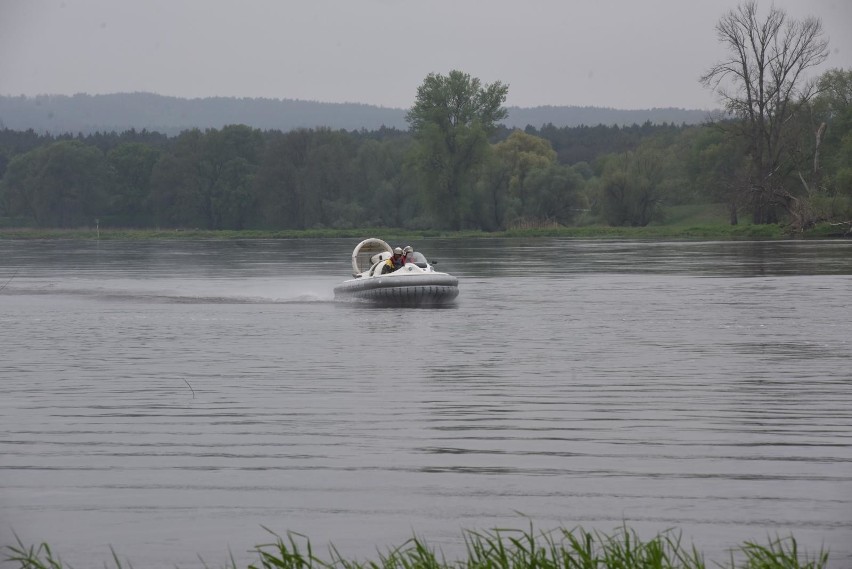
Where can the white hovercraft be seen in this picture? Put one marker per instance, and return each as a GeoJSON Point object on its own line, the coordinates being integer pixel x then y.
{"type": "Point", "coordinates": [375, 281]}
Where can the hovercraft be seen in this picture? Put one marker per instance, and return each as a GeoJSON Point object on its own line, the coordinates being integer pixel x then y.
{"type": "Point", "coordinates": [378, 281]}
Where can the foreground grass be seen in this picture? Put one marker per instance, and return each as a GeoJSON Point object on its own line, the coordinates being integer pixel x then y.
{"type": "Point", "coordinates": [504, 549]}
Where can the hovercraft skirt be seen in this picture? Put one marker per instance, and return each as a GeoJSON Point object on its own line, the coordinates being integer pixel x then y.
{"type": "Point", "coordinates": [421, 290]}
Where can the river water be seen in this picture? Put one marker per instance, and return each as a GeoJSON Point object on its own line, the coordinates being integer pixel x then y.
{"type": "Point", "coordinates": [171, 399]}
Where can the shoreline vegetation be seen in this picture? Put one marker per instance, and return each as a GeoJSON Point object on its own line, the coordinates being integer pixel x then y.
{"type": "Point", "coordinates": [560, 548]}
{"type": "Point", "coordinates": [697, 232]}
{"type": "Point", "coordinates": [682, 223]}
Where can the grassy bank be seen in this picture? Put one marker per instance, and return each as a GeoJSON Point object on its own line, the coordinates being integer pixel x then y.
{"type": "Point", "coordinates": [685, 232]}
{"type": "Point", "coordinates": [686, 222]}
{"type": "Point", "coordinates": [504, 549]}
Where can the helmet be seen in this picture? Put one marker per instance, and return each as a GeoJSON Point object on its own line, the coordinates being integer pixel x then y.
{"type": "Point", "coordinates": [408, 249]}
{"type": "Point", "coordinates": [397, 251]}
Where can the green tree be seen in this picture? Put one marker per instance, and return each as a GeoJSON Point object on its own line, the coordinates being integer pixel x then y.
{"type": "Point", "coordinates": [451, 119]}
{"type": "Point", "coordinates": [493, 202]}
{"type": "Point", "coordinates": [763, 86]}
{"type": "Point", "coordinates": [554, 194]}
{"type": "Point", "coordinates": [832, 147]}
{"type": "Point", "coordinates": [207, 180]}
{"type": "Point", "coordinates": [228, 159]}
{"type": "Point", "coordinates": [231, 197]}
{"type": "Point", "coordinates": [277, 184]}
{"type": "Point", "coordinates": [521, 154]}
{"type": "Point", "coordinates": [178, 195]}
{"type": "Point", "coordinates": [62, 184]}
{"type": "Point", "coordinates": [306, 178]}
{"type": "Point", "coordinates": [382, 184]}
{"type": "Point", "coordinates": [132, 164]}
{"type": "Point", "coordinates": [631, 187]}
{"type": "Point", "coordinates": [176, 198]}
{"type": "Point", "coordinates": [717, 168]}
{"type": "Point", "coordinates": [325, 181]}
{"type": "Point", "coordinates": [832, 120]}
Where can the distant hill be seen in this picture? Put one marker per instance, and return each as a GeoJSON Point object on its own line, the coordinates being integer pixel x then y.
{"type": "Point", "coordinates": [86, 114]}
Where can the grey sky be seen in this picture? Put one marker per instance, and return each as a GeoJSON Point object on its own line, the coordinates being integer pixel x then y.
{"type": "Point", "coordinates": [613, 53]}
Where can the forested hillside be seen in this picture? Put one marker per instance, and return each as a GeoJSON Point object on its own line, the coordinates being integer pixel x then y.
{"type": "Point", "coordinates": [87, 114]}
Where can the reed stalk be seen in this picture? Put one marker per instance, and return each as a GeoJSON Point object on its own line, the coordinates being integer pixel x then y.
{"type": "Point", "coordinates": [501, 549]}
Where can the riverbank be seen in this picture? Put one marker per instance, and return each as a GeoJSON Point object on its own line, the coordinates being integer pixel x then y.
{"type": "Point", "coordinates": [711, 232]}
{"type": "Point", "coordinates": [502, 549]}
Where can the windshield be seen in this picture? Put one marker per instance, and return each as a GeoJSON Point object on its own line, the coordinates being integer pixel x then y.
{"type": "Point", "coordinates": [417, 258]}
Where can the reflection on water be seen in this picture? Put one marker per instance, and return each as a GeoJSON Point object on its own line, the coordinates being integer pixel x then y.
{"type": "Point", "coordinates": [170, 399]}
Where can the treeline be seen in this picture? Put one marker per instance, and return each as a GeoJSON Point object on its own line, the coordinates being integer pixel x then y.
{"type": "Point", "coordinates": [434, 175]}
{"type": "Point", "coordinates": [244, 178]}
{"type": "Point", "coordinates": [239, 178]}
{"type": "Point", "coordinates": [88, 114]}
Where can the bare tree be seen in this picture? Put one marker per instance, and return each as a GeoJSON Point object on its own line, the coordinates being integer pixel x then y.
{"type": "Point", "coordinates": [763, 86]}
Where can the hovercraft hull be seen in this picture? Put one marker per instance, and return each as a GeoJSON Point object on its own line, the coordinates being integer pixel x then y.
{"type": "Point", "coordinates": [404, 290]}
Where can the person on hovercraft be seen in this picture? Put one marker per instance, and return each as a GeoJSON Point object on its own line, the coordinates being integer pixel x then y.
{"type": "Point", "coordinates": [396, 261]}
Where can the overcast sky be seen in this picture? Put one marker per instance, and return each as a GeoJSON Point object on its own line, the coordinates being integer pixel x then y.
{"type": "Point", "coordinates": [626, 54]}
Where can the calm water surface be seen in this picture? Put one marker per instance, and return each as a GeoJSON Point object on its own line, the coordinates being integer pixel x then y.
{"type": "Point", "coordinates": [170, 398]}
